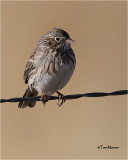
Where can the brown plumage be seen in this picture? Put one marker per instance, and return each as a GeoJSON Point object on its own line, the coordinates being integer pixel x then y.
{"type": "Point", "coordinates": [50, 66]}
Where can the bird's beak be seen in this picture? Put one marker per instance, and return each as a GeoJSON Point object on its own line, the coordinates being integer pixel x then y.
{"type": "Point", "coordinates": [69, 41]}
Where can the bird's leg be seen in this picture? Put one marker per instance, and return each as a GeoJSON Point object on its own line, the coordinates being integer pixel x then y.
{"type": "Point", "coordinates": [44, 98]}
{"type": "Point", "coordinates": [60, 97]}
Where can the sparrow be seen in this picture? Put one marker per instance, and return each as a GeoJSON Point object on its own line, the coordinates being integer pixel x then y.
{"type": "Point", "coordinates": [50, 67]}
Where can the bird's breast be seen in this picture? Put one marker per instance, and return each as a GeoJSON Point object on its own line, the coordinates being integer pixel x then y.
{"type": "Point", "coordinates": [53, 71]}
{"type": "Point", "coordinates": [50, 83]}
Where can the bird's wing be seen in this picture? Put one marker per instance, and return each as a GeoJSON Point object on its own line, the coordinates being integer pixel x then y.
{"type": "Point", "coordinates": [40, 58]}
{"type": "Point", "coordinates": [29, 67]}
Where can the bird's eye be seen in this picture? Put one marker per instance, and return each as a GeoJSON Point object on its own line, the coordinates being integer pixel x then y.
{"type": "Point", "coordinates": [57, 39]}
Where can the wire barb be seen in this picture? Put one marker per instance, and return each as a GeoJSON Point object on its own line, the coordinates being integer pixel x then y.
{"type": "Point", "coordinates": [68, 97]}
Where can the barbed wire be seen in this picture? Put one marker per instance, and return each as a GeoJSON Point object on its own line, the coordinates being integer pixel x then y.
{"type": "Point", "coordinates": [68, 97]}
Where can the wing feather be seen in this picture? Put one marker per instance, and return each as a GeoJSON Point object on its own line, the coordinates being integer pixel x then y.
{"type": "Point", "coordinates": [29, 67]}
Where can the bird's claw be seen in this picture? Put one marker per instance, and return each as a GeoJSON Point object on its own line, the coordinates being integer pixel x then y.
{"type": "Point", "coordinates": [60, 97]}
{"type": "Point", "coordinates": [44, 98]}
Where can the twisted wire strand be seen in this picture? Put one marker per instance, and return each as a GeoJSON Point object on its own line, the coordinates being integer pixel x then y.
{"type": "Point", "coordinates": [68, 97]}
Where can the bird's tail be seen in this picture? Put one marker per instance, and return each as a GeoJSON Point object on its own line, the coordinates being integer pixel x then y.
{"type": "Point", "coordinates": [28, 93]}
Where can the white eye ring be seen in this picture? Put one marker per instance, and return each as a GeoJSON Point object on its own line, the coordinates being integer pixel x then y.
{"type": "Point", "coordinates": [57, 39]}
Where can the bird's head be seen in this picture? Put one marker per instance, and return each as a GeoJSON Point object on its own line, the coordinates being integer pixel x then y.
{"type": "Point", "coordinates": [57, 38]}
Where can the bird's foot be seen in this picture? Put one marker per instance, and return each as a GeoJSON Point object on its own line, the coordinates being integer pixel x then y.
{"type": "Point", "coordinates": [61, 99]}
{"type": "Point", "coordinates": [44, 98]}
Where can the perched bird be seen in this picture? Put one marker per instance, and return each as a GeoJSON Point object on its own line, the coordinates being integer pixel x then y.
{"type": "Point", "coordinates": [50, 67]}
